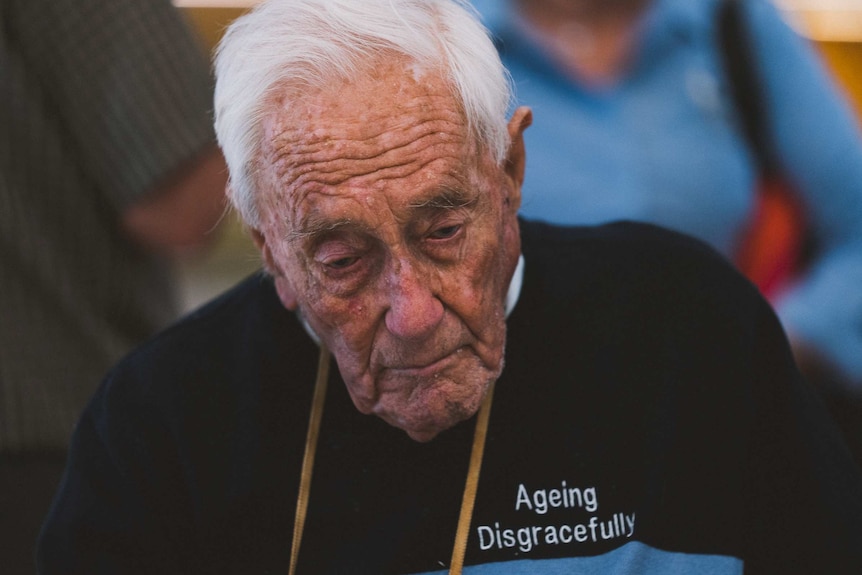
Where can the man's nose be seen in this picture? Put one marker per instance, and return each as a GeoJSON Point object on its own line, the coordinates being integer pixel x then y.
{"type": "Point", "coordinates": [414, 311]}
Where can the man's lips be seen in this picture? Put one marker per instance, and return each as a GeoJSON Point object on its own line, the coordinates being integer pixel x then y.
{"type": "Point", "coordinates": [425, 368]}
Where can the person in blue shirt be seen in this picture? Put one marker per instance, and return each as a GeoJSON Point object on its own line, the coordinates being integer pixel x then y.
{"type": "Point", "coordinates": [633, 120]}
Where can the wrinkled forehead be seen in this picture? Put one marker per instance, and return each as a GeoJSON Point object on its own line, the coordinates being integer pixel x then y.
{"type": "Point", "coordinates": [380, 105]}
{"type": "Point", "coordinates": [387, 123]}
{"type": "Point", "coordinates": [390, 94]}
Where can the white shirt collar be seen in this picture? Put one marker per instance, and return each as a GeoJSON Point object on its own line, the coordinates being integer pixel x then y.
{"type": "Point", "coordinates": [515, 286]}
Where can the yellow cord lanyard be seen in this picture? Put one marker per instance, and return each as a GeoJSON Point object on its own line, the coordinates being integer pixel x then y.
{"type": "Point", "coordinates": [470, 488]}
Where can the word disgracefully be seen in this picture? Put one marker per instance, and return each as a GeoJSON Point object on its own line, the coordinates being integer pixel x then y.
{"type": "Point", "coordinates": [540, 501]}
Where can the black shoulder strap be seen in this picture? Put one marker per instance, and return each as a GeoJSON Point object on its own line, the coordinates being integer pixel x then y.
{"type": "Point", "coordinates": [737, 54]}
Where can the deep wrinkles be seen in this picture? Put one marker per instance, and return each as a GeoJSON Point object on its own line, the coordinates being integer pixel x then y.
{"type": "Point", "coordinates": [315, 139]}
{"type": "Point", "coordinates": [297, 171]}
{"type": "Point", "coordinates": [326, 174]}
{"type": "Point", "coordinates": [296, 158]}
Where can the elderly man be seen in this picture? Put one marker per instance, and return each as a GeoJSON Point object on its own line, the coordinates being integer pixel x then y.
{"type": "Point", "coordinates": [649, 418]}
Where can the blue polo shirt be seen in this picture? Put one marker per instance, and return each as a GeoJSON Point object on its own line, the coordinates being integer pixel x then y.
{"type": "Point", "coordinates": [663, 144]}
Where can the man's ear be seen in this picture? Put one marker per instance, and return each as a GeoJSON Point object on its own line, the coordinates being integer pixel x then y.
{"type": "Point", "coordinates": [516, 157]}
{"type": "Point", "coordinates": [285, 290]}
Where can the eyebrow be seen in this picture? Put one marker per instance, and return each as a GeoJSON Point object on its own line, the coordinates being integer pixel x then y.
{"type": "Point", "coordinates": [448, 199]}
{"type": "Point", "coordinates": [314, 228]}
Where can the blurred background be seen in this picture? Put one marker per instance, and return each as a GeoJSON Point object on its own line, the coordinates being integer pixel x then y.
{"type": "Point", "coordinates": [834, 27]}
{"type": "Point", "coordinates": [43, 385]}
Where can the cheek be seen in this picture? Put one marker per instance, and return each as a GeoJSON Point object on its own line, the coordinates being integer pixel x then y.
{"type": "Point", "coordinates": [363, 398]}
{"type": "Point", "coordinates": [479, 298]}
{"type": "Point", "coordinates": [346, 325]}
{"type": "Point", "coordinates": [478, 284]}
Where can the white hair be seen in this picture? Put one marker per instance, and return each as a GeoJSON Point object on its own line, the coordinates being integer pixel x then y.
{"type": "Point", "coordinates": [305, 44]}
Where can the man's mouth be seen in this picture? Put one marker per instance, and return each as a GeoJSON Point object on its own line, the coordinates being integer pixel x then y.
{"type": "Point", "coordinates": [427, 368]}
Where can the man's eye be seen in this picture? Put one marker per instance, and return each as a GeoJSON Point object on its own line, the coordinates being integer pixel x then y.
{"type": "Point", "coordinates": [341, 263]}
{"type": "Point", "coordinates": [445, 232]}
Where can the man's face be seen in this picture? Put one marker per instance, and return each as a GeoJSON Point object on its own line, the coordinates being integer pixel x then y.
{"type": "Point", "coordinates": [396, 238]}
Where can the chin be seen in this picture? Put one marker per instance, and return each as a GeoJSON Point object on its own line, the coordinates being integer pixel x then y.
{"type": "Point", "coordinates": [422, 436]}
{"type": "Point", "coordinates": [426, 433]}
{"type": "Point", "coordinates": [422, 429]}
{"type": "Point", "coordinates": [436, 410]}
